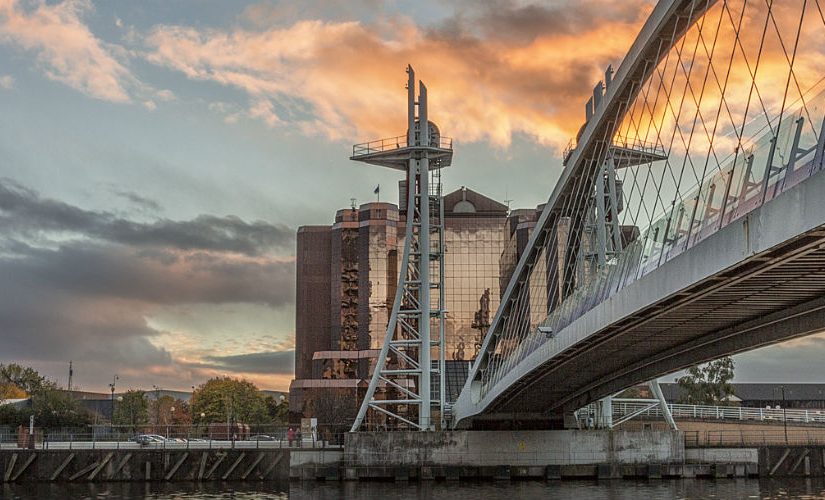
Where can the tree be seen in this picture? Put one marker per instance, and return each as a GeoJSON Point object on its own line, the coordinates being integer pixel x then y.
{"type": "Point", "coordinates": [278, 411]}
{"type": "Point", "coordinates": [11, 391]}
{"type": "Point", "coordinates": [50, 406]}
{"type": "Point", "coordinates": [167, 410]}
{"type": "Point", "coordinates": [334, 407]}
{"type": "Point", "coordinates": [132, 409]}
{"type": "Point", "coordinates": [708, 384]}
{"type": "Point", "coordinates": [25, 378]}
{"type": "Point", "coordinates": [57, 408]}
{"type": "Point", "coordinates": [223, 399]}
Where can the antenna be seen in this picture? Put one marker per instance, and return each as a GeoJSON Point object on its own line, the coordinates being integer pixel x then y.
{"type": "Point", "coordinates": [71, 372]}
{"type": "Point", "coordinates": [352, 203]}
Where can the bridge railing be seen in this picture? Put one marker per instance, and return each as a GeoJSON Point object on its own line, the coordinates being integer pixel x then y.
{"type": "Point", "coordinates": [704, 412]}
{"type": "Point", "coordinates": [398, 142]}
{"type": "Point", "coordinates": [175, 437]}
{"type": "Point", "coordinates": [743, 184]}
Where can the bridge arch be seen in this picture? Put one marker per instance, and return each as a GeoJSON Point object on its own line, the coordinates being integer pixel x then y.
{"type": "Point", "coordinates": [626, 238]}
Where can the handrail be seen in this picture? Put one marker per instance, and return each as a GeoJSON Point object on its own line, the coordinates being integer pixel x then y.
{"type": "Point", "coordinates": [702, 412]}
{"type": "Point", "coordinates": [637, 144]}
{"type": "Point", "coordinates": [397, 142]}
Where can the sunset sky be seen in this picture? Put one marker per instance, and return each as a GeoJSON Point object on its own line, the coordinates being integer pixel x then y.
{"type": "Point", "coordinates": [156, 158]}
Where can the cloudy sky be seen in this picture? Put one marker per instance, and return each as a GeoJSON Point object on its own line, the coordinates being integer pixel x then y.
{"type": "Point", "coordinates": [156, 158]}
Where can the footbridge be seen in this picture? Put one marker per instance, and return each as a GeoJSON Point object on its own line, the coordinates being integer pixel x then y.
{"type": "Point", "coordinates": [688, 223]}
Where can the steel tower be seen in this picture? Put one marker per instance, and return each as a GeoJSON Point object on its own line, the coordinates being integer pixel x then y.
{"type": "Point", "coordinates": [405, 368]}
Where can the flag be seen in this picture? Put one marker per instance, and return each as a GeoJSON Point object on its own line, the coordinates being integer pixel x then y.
{"type": "Point", "coordinates": [377, 189]}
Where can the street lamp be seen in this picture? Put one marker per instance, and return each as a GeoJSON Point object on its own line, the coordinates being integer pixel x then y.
{"type": "Point", "coordinates": [112, 387]}
{"type": "Point", "coordinates": [784, 413]}
{"type": "Point", "coordinates": [157, 405]}
{"type": "Point", "coordinates": [171, 418]}
{"type": "Point", "coordinates": [119, 401]}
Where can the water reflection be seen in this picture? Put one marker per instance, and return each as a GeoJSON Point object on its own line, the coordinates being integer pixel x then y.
{"type": "Point", "coordinates": [613, 490]}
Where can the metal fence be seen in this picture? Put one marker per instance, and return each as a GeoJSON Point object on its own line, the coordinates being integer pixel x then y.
{"type": "Point", "coordinates": [172, 437]}
{"type": "Point", "coordinates": [398, 142]}
{"type": "Point", "coordinates": [702, 412]}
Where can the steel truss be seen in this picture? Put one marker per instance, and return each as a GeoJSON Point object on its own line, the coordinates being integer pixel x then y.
{"type": "Point", "coordinates": [400, 387]}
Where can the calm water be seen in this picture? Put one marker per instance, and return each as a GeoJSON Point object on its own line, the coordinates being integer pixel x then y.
{"type": "Point", "coordinates": [613, 490]}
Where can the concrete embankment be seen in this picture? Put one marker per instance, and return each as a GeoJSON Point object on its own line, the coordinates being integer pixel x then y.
{"type": "Point", "coordinates": [144, 465]}
{"type": "Point", "coordinates": [404, 456]}
{"type": "Point", "coordinates": [460, 455]}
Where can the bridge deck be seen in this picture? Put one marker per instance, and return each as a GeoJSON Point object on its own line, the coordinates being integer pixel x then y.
{"type": "Point", "coordinates": [758, 281]}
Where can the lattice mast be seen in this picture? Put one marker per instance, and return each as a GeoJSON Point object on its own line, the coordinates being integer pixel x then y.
{"type": "Point", "coordinates": [404, 370]}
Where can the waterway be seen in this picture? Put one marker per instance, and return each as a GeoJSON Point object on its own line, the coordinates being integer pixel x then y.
{"type": "Point", "coordinates": [612, 490]}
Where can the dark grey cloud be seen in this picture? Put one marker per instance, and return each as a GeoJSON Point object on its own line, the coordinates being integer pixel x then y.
{"type": "Point", "coordinates": [517, 21]}
{"type": "Point", "coordinates": [48, 325]}
{"type": "Point", "coordinates": [26, 213]}
{"type": "Point", "coordinates": [78, 284]}
{"type": "Point", "coordinates": [273, 362]}
{"type": "Point", "coordinates": [107, 271]}
{"type": "Point", "coordinates": [141, 202]}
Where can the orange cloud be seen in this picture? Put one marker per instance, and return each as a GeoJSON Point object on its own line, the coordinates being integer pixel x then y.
{"type": "Point", "coordinates": [711, 99]}
{"type": "Point", "coordinates": [65, 47]}
{"type": "Point", "coordinates": [523, 73]}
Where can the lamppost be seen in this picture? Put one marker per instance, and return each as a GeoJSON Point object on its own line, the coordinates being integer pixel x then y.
{"type": "Point", "coordinates": [784, 413]}
{"type": "Point", "coordinates": [157, 404]}
{"type": "Point", "coordinates": [171, 418]}
{"type": "Point", "coordinates": [119, 402]}
{"type": "Point", "coordinates": [112, 387]}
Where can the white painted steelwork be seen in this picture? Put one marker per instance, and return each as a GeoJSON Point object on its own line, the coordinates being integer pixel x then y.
{"type": "Point", "coordinates": [400, 387]}
{"type": "Point", "coordinates": [693, 271]}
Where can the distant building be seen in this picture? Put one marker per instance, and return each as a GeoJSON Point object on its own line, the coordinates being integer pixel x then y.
{"type": "Point", "coordinates": [347, 274]}
{"type": "Point", "coordinates": [519, 227]}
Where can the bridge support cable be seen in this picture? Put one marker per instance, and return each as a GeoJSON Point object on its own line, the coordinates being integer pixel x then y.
{"type": "Point", "coordinates": [400, 393]}
{"type": "Point", "coordinates": [680, 109]}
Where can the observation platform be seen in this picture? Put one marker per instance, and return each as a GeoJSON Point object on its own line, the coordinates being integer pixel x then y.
{"type": "Point", "coordinates": [626, 153]}
{"type": "Point", "coordinates": [395, 152]}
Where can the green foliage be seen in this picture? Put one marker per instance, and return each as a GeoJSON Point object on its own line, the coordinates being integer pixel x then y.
{"type": "Point", "coordinates": [13, 416]}
{"type": "Point", "coordinates": [132, 409]}
{"type": "Point", "coordinates": [26, 379]}
{"type": "Point", "coordinates": [224, 398]}
{"type": "Point", "coordinates": [56, 408]}
{"type": "Point", "coordinates": [50, 406]}
{"type": "Point", "coordinates": [708, 384]}
{"type": "Point", "coordinates": [278, 412]}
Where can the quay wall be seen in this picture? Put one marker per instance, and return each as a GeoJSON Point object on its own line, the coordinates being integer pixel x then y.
{"type": "Point", "coordinates": [515, 448]}
{"type": "Point", "coordinates": [144, 465]}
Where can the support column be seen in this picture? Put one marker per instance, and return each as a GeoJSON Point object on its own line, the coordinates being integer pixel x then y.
{"type": "Point", "coordinates": [424, 262]}
{"type": "Point", "coordinates": [658, 394]}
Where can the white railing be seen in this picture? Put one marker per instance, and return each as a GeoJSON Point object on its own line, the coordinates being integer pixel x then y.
{"type": "Point", "coordinates": [702, 412]}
